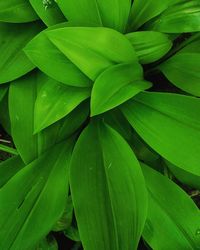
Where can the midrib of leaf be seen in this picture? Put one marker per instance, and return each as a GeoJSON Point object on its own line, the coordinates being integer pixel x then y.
{"type": "Point", "coordinates": [109, 191]}
{"type": "Point", "coordinates": [38, 196]}
{"type": "Point", "coordinates": [173, 219]}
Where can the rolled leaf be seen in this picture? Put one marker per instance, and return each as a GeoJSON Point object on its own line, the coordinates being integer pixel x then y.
{"type": "Point", "coordinates": [150, 46]}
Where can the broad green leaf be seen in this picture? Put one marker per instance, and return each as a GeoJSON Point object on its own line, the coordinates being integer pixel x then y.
{"type": "Point", "coordinates": [22, 95]}
{"type": "Point", "coordinates": [108, 190]}
{"type": "Point", "coordinates": [9, 168]}
{"type": "Point", "coordinates": [173, 220]}
{"type": "Point", "coordinates": [179, 18]}
{"type": "Point", "coordinates": [116, 85]}
{"type": "Point", "coordinates": [56, 100]}
{"type": "Point", "coordinates": [144, 10]}
{"type": "Point", "coordinates": [182, 69]}
{"type": "Point", "coordinates": [92, 49]}
{"type": "Point", "coordinates": [170, 124]}
{"type": "Point", "coordinates": [184, 176]}
{"type": "Point", "coordinates": [49, 59]}
{"type": "Point", "coordinates": [108, 13]}
{"type": "Point", "coordinates": [30, 197]}
{"type": "Point", "coordinates": [49, 16]}
{"type": "Point", "coordinates": [13, 61]}
{"type": "Point", "coordinates": [150, 46]}
{"type": "Point", "coordinates": [17, 11]}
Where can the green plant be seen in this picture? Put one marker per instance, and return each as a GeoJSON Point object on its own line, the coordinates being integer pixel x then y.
{"type": "Point", "coordinates": [104, 114]}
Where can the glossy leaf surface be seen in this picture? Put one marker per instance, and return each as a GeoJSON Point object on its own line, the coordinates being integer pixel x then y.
{"type": "Point", "coordinates": [173, 218]}
{"type": "Point", "coordinates": [150, 46]}
{"type": "Point", "coordinates": [110, 176]}
{"type": "Point", "coordinates": [179, 18]}
{"type": "Point", "coordinates": [116, 85]}
{"type": "Point", "coordinates": [92, 49]}
{"type": "Point", "coordinates": [108, 13]}
{"type": "Point", "coordinates": [13, 61]}
{"type": "Point", "coordinates": [169, 123]}
{"type": "Point", "coordinates": [27, 194]}
{"type": "Point", "coordinates": [56, 100]}
{"type": "Point", "coordinates": [49, 59]}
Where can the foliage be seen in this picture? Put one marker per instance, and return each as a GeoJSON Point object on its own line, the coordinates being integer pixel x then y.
{"type": "Point", "coordinates": [101, 101]}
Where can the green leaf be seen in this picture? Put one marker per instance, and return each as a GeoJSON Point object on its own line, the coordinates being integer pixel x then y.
{"type": "Point", "coordinates": [27, 195]}
{"type": "Point", "coordinates": [4, 114]}
{"type": "Point", "coordinates": [108, 13]}
{"type": "Point", "coordinates": [22, 95]}
{"type": "Point", "coordinates": [116, 85]}
{"type": "Point", "coordinates": [144, 10]}
{"type": "Point", "coordinates": [170, 124]}
{"type": "Point", "coordinates": [108, 190]}
{"type": "Point", "coordinates": [13, 61]}
{"type": "Point", "coordinates": [184, 176]}
{"type": "Point", "coordinates": [150, 46]}
{"type": "Point", "coordinates": [182, 69]}
{"type": "Point", "coordinates": [9, 168]}
{"type": "Point", "coordinates": [56, 100]}
{"type": "Point", "coordinates": [179, 18]}
{"type": "Point", "coordinates": [17, 11]}
{"type": "Point", "coordinates": [173, 220]}
{"type": "Point", "coordinates": [49, 16]}
{"type": "Point", "coordinates": [92, 49]}
{"type": "Point", "coordinates": [52, 62]}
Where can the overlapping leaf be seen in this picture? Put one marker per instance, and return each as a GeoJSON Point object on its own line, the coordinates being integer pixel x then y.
{"type": "Point", "coordinates": [116, 85]}
{"type": "Point", "coordinates": [92, 49]}
{"type": "Point", "coordinates": [170, 124]}
{"type": "Point", "coordinates": [56, 100]}
{"type": "Point", "coordinates": [182, 69]}
{"type": "Point", "coordinates": [30, 197]}
{"type": "Point", "coordinates": [173, 220]}
{"type": "Point", "coordinates": [109, 195]}
{"type": "Point", "coordinates": [181, 17]}
{"type": "Point", "coordinates": [49, 59]}
{"type": "Point", "coordinates": [150, 46]}
{"type": "Point", "coordinates": [49, 16]}
{"type": "Point", "coordinates": [108, 13]}
{"type": "Point", "coordinates": [13, 61]}
{"type": "Point", "coordinates": [144, 10]}
{"type": "Point", "coordinates": [17, 11]}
